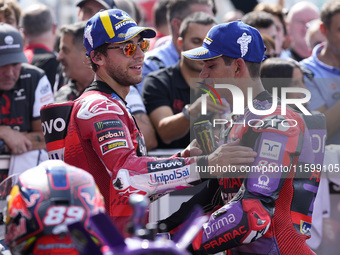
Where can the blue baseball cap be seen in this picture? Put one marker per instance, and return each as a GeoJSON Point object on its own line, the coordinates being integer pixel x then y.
{"type": "Point", "coordinates": [112, 26]}
{"type": "Point", "coordinates": [234, 39]}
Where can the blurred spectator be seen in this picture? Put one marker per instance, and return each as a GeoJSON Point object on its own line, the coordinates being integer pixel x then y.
{"type": "Point", "coordinates": [40, 31]}
{"type": "Point", "coordinates": [297, 18]}
{"type": "Point", "coordinates": [74, 62]}
{"type": "Point", "coordinates": [325, 64]}
{"type": "Point", "coordinates": [166, 92]}
{"type": "Point", "coordinates": [24, 89]}
{"type": "Point", "coordinates": [160, 22]}
{"type": "Point", "coordinates": [314, 36]}
{"type": "Point", "coordinates": [281, 73]}
{"type": "Point", "coordinates": [10, 12]}
{"type": "Point", "coordinates": [280, 23]}
{"type": "Point", "coordinates": [233, 15]}
{"type": "Point", "coordinates": [244, 5]}
{"type": "Point", "coordinates": [127, 6]}
{"type": "Point", "coordinates": [88, 8]}
{"type": "Point", "coordinates": [270, 46]}
{"type": "Point", "coordinates": [168, 53]}
{"type": "Point", "coordinates": [264, 23]}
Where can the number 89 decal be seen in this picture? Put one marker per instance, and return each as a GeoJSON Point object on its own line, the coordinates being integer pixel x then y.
{"type": "Point", "coordinates": [61, 214]}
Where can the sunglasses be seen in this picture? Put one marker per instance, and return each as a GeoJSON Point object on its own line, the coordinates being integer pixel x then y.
{"type": "Point", "coordinates": [129, 49]}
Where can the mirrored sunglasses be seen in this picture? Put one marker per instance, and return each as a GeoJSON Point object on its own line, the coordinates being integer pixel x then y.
{"type": "Point", "coordinates": [129, 48]}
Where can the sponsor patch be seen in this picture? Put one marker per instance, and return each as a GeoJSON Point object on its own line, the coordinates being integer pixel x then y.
{"type": "Point", "coordinates": [270, 149]}
{"type": "Point", "coordinates": [165, 164]}
{"type": "Point", "coordinates": [95, 105]}
{"type": "Point", "coordinates": [305, 227]}
{"type": "Point", "coordinates": [166, 177]}
{"type": "Point", "coordinates": [105, 124]}
{"type": "Point", "coordinates": [45, 89]}
{"type": "Point", "coordinates": [262, 182]}
{"type": "Point", "coordinates": [113, 145]}
{"type": "Point", "coordinates": [215, 226]}
{"type": "Point", "coordinates": [110, 134]}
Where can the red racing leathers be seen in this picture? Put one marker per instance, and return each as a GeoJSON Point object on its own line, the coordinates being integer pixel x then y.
{"type": "Point", "coordinates": [97, 133]}
{"type": "Point", "coordinates": [271, 213]}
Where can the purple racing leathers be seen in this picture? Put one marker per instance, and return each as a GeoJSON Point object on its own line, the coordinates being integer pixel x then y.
{"type": "Point", "coordinates": [271, 212]}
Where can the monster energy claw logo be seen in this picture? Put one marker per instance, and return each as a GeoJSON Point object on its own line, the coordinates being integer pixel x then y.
{"type": "Point", "coordinates": [100, 125]}
{"type": "Point", "coordinates": [105, 124]}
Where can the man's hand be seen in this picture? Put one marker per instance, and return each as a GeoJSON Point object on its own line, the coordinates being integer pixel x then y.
{"type": "Point", "coordinates": [17, 142]}
{"type": "Point", "coordinates": [231, 154]}
{"type": "Point", "coordinates": [191, 150]}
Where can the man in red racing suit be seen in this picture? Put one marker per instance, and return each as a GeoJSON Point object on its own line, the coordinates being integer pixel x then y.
{"type": "Point", "coordinates": [271, 212]}
{"type": "Point", "coordinates": [97, 133]}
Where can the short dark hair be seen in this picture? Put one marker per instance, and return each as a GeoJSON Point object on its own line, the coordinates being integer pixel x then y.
{"type": "Point", "coordinates": [76, 30]}
{"type": "Point", "coordinates": [277, 72]}
{"type": "Point", "coordinates": [181, 8]}
{"type": "Point", "coordinates": [7, 5]}
{"type": "Point", "coordinates": [253, 67]}
{"type": "Point", "coordinates": [329, 9]}
{"type": "Point", "coordinates": [37, 19]}
{"type": "Point", "coordinates": [259, 19]}
{"type": "Point", "coordinates": [159, 13]}
{"type": "Point", "coordinates": [201, 18]}
{"type": "Point", "coordinates": [274, 9]}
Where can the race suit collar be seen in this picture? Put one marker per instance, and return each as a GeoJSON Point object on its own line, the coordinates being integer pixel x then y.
{"type": "Point", "coordinates": [103, 87]}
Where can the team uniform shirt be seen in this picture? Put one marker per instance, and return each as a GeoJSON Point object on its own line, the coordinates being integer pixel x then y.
{"type": "Point", "coordinates": [272, 209]}
{"type": "Point", "coordinates": [103, 138]}
{"type": "Point", "coordinates": [325, 87]}
{"type": "Point", "coordinates": [160, 57]}
{"type": "Point", "coordinates": [21, 105]}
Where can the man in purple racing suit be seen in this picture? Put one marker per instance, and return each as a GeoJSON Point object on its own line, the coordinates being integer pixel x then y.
{"type": "Point", "coordinates": [271, 212]}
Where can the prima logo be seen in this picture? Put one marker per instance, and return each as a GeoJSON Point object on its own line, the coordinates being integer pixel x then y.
{"type": "Point", "coordinates": [218, 224]}
{"type": "Point", "coordinates": [238, 100]}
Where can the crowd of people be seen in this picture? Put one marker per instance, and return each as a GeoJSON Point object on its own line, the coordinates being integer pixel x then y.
{"type": "Point", "coordinates": [103, 91]}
